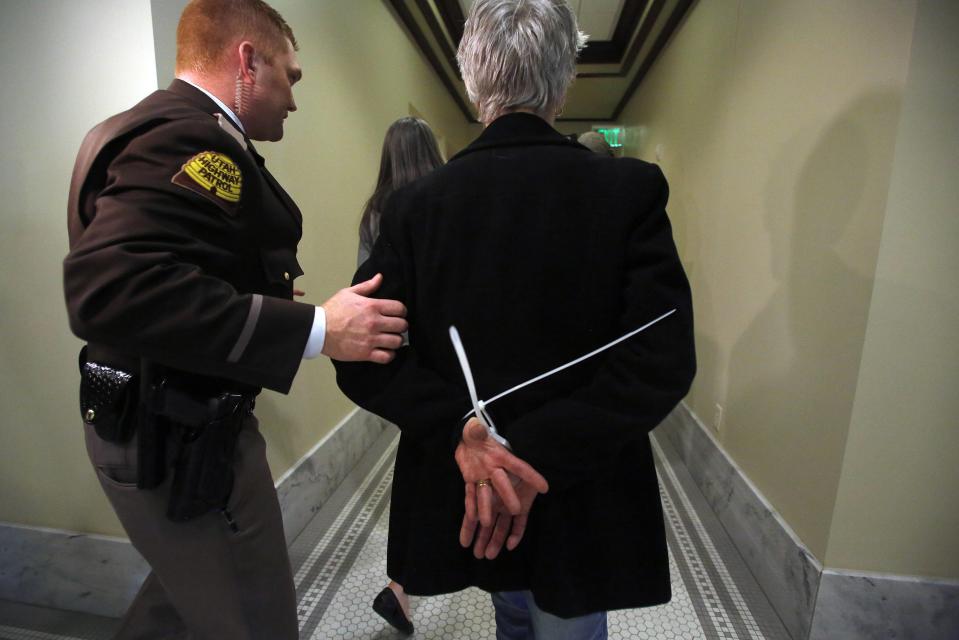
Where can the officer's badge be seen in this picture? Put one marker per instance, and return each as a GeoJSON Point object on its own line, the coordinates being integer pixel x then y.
{"type": "Point", "coordinates": [214, 176]}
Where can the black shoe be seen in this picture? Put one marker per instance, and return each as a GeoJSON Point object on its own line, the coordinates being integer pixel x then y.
{"type": "Point", "coordinates": [386, 604]}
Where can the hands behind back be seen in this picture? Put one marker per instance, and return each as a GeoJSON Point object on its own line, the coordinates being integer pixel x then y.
{"type": "Point", "coordinates": [501, 508]}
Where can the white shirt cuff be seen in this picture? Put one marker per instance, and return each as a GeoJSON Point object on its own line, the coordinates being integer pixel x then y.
{"type": "Point", "coordinates": [314, 344]}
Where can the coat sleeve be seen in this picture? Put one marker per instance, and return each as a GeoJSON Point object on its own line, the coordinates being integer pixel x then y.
{"type": "Point", "coordinates": [570, 439]}
{"type": "Point", "coordinates": [151, 274]}
{"type": "Point", "coordinates": [416, 398]}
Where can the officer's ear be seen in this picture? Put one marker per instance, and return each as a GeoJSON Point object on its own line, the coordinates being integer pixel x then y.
{"type": "Point", "coordinates": [248, 61]}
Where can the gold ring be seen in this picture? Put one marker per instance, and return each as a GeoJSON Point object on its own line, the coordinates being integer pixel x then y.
{"type": "Point", "coordinates": [482, 483]}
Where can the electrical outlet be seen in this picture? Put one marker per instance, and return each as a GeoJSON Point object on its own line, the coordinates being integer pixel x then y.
{"type": "Point", "coordinates": [718, 419]}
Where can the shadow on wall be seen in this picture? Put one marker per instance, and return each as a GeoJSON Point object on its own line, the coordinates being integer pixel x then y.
{"type": "Point", "coordinates": [793, 372]}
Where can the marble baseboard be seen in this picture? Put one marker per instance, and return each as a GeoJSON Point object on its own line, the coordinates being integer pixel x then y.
{"type": "Point", "coordinates": [306, 487]}
{"type": "Point", "coordinates": [68, 570]}
{"type": "Point", "coordinates": [785, 569]}
{"type": "Point", "coordinates": [866, 606]}
{"type": "Point", "coordinates": [101, 574]}
{"type": "Point", "coordinates": [814, 603]}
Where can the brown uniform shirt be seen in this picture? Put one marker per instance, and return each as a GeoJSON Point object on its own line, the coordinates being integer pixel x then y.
{"type": "Point", "coordinates": [183, 246]}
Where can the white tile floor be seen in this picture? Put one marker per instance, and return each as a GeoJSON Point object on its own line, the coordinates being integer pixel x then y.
{"type": "Point", "coordinates": [708, 601]}
{"type": "Point", "coordinates": [339, 562]}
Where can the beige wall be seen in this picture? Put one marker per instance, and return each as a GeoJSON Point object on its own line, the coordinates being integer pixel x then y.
{"type": "Point", "coordinates": [70, 65]}
{"type": "Point", "coordinates": [61, 61]}
{"type": "Point", "coordinates": [898, 503]}
{"type": "Point", "coordinates": [775, 123]}
{"type": "Point", "coordinates": [166, 15]}
{"type": "Point", "coordinates": [361, 72]}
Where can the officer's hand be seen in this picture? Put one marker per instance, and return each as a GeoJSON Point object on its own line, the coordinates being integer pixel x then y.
{"type": "Point", "coordinates": [362, 328]}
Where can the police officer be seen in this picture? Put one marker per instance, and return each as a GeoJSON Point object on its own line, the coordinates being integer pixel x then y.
{"type": "Point", "coordinates": [180, 278]}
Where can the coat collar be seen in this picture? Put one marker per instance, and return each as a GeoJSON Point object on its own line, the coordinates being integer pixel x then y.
{"type": "Point", "coordinates": [518, 129]}
{"type": "Point", "coordinates": [200, 100]}
{"type": "Point", "coordinates": [203, 102]}
{"type": "Point", "coordinates": [194, 95]}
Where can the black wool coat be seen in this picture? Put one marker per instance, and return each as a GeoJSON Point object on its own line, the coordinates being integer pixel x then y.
{"type": "Point", "coordinates": [538, 251]}
{"type": "Point", "coordinates": [183, 247]}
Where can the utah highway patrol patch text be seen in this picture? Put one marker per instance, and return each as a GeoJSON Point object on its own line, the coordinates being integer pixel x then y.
{"type": "Point", "coordinates": [214, 176]}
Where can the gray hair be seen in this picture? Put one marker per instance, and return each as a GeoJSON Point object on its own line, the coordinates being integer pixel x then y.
{"type": "Point", "coordinates": [519, 54]}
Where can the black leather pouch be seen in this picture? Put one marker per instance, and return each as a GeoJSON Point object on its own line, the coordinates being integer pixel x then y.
{"type": "Point", "coordinates": [108, 400]}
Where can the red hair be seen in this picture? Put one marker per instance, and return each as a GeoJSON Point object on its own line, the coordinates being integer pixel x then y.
{"type": "Point", "coordinates": [209, 28]}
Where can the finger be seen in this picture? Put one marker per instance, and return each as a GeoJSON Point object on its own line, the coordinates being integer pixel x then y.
{"type": "Point", "coordinates": [526, 473]}
{"type": "Point", "coordinates": [519, 528]}
{"type": "Point", "coordinates": [381, 356]}
{"type": "Point", "coordinates": [299, 293]}
{"type": "Point", "coordinates": [505, 491]}
{"type": "Point", "coordinates": [467, 530]}
{"type": "Point", "coordinates": [367, 287]}
{"type": "Point", "coordinates": [499, 536]}
{"type": "Point", "coordinates": [471, 508]}
{"type": "Point", "coordinates": [484, 504]}
{"type": "Point", "coordinates": [474, 432]}
{"type": "Point", "coordinates": [482, 540]}
{"type": "Point", "coordinates": [390, 341]}
{"type": "Point", "coordinates": [389, 308]}
{"type": "Point", "coordinates": [391, 325]}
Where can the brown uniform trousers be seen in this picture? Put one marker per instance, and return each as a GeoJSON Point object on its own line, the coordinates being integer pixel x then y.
{"type": "Point", "coordinates": [208, 582]}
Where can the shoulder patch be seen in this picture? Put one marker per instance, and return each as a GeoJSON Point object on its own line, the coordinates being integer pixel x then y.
{"type": "Point", "coordinates": [214, 176]}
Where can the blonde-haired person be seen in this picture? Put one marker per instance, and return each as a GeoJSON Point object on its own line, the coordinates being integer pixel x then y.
{"type": "Point", "coordinates": [538, 251]}
{"type": "Point", "coordinates": [181, 272]}
{"type": "Point", "coordinates": [409, 152]}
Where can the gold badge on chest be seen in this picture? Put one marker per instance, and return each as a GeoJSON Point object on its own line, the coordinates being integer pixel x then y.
{"type": "Point", "coordinates": [216, 177]}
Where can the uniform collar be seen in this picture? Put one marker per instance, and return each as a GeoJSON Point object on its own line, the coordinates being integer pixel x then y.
{"type": "Point", "coordinates": [227, 111]}
{"type": "Point", "coordinates": [209, 103]}
{"type": "Point", "coordinates": [204, 100]}
{"type": "Point", "coordinates": [518, 129]}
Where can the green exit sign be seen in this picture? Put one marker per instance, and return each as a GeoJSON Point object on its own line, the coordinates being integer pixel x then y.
{"type": "Point", "coordinates": [614, 135]}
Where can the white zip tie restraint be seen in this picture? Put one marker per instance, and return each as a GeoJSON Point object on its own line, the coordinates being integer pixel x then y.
{"type": "Point", "coordinates": [479, 406]}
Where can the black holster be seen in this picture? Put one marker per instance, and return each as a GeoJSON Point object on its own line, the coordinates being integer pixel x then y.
{"type": "Point", "coordinates": [205, 429]}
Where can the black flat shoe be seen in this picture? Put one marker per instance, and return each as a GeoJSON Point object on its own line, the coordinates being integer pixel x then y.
{"type": "Point", "coordinates": [388, 607]}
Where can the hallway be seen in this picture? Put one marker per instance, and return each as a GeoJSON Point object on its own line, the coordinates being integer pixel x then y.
{"type": "Point", "coordinates": [339, 561]}
{"type": "Point", "coordinates": [810, 149]}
